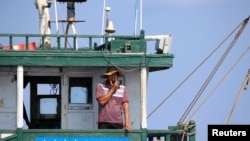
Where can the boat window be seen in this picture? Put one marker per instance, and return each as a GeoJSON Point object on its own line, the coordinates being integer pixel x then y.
{"type": "Point", "coordinates": [48, 95]}
{"type": "Point", "coordinates": [78, 94]}
{"type": "Point", "coordinates": [47, 89]}
{"type": "Point", "coordinates": [44, 103]}
{"type": "Point", "coordinates": [48, 106]}
{"type": "Point", "coordinates": [80, 90]}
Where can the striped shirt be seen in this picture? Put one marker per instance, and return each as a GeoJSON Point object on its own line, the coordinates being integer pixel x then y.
{"type": "Point", "coordinates": [112, 111]}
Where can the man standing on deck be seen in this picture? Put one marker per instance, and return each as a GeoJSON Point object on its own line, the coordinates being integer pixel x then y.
{"type": "Point", "coordinates": [113, 102]}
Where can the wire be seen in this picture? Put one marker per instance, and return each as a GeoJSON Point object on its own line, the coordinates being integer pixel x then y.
{"type": "Point", "coordinates": [244, 23]}
{"type": "Point", "coordinates": [218, 84]}
{"type": "Point", "coordinates": [193, 72]}
{"type": "Point", "coordinates": [54, 89]}
{"type": "Point", "coordinates": [238, 96]}
{"type": "Point", "coordinates": [110, 62]}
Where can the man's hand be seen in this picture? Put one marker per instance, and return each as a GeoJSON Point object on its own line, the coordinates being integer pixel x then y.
{"type": "Point", "coordinates": [114, 84]}
{"type": "Point", "coordinates": [127, 126]}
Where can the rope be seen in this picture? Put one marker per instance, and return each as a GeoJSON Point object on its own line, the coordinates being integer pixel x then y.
{"type": "Point", "coordinates": [214, 71]}
{"type": "Point", "coordinates": [193, 72]}
{"type": "Point", "coordinates": [217, 85]}
{"type": "Point", "coordinates": [108, 59]}
{"type": "Point", "coordinates": [238, 96]}
{"type": "Point", "coordinates": [185, 131]}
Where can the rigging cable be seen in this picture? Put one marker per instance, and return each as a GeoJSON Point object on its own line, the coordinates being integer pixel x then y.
{"type": "Point", "coordinates": [193, 71]}
{"type": "Point", "coordinates": [226, 74]}
{"type": "Point", "coordinates": [245, 82]}
{"type": "Point", "coordinates": [244, 23]}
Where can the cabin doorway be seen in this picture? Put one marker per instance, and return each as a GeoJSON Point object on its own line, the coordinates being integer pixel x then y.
{"type": "Point", "coordinates": [45, 101]}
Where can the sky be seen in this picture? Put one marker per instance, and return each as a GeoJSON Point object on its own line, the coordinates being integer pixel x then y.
{"type": "Point", "coordinates": [197, 26]}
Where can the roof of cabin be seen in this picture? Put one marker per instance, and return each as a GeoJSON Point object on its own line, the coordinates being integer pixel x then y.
{"type": "Point", "coordinates": [120, 51]}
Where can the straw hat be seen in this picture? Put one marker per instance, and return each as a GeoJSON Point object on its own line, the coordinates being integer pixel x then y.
{"type": "Point", "coordinates": [110, 71]}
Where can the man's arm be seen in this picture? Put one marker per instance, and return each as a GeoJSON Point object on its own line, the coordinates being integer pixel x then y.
{"type": "Point", "coordinates": [126, 116]}
{"type": "Point", "coordinates": [104, 99]}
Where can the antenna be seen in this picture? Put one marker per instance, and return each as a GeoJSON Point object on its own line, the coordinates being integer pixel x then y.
{"type": "Point", "coordinates": [103, 15]}
{"type": "Point", "coordinates": [70, 19]}
{"type": "Point", "coordinates": [136, 15]}
{"type": "Point", "coordinates": [140, 14]}
{"type": "Point", "coordinates": [57, 27]}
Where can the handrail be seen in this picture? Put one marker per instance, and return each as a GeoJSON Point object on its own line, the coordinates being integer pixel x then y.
{"type": "Point", "coordinates": [58, 37]}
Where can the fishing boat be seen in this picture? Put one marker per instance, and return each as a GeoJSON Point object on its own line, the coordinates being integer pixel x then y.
{"type": "Point", "coordinates": [48, 88]}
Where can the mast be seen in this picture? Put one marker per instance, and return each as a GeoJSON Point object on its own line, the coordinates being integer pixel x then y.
{"type": "Point", "coordinates": [71, 19]}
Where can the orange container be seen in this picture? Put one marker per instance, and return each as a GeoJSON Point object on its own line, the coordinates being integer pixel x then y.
{"type": "Point", "coordinates": [15, 47]}
{"type": "Point", "coordinates": [31, 46]}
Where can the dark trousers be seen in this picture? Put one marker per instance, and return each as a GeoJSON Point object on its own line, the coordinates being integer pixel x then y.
{"type": "Point", "coordinates": [109, 126]}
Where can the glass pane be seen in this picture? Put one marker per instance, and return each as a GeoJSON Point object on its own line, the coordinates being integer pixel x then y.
{"type": "Point", "coordinates": [78, 95]}
{"type": "Point", "coordinates": [47, 89]}
{"type": "Point", "coordinates": [48, 106]}
{"type": "Point", "coordinates": [80, 90]}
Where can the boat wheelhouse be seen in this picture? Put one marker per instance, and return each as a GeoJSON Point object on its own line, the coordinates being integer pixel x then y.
{"type": "Point", "coordinates": [48, 94]}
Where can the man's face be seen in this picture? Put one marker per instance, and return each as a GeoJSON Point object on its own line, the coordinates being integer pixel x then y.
{"type": "Point", "coordinates": [113, 77]}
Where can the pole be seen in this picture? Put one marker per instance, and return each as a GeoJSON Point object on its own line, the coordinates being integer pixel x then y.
{"type": "Point", "coordinates": [19, 96]}
{"type": "Point", "coordinates": [143, 97]}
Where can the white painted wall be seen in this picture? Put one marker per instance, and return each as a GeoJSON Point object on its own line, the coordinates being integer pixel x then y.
{"type": "Point", "coordinates": [132, 82]}
{"type": "Point", "coordinates": [71, 119]}
{"type": "Point", "coordinates": [8, 101]}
